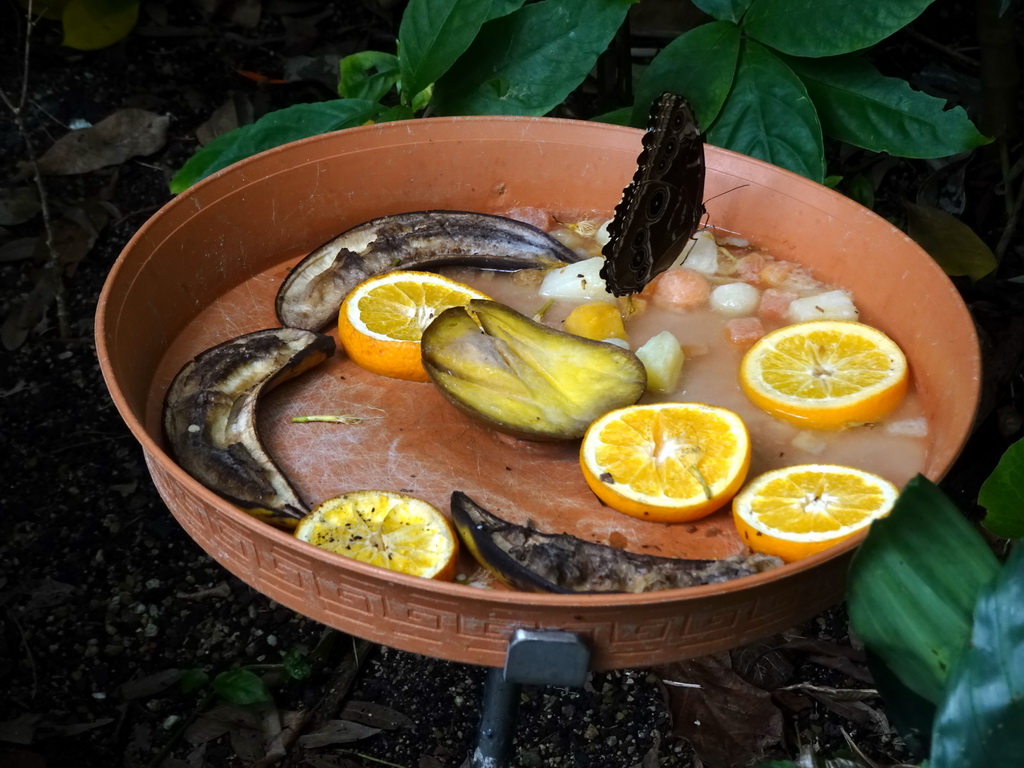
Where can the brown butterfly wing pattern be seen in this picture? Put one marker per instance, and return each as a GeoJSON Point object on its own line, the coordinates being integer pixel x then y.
{"type": "Point", "coordinates": [663, 205]}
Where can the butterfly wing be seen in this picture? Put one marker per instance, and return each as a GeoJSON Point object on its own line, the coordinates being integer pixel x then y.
{"type": "Point", "coordinates": [663, 205]}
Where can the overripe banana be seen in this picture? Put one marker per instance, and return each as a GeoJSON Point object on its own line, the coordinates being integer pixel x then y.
{"type": "Point", "coordinates": [310, 296]}
{"type": "Point", "coordinates": [210, 417]}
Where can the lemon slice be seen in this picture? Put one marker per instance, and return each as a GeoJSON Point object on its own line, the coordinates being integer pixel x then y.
{"type": "Point", "coordinates": [383, 318]}
{"type": "Point", "coordinates": [387, 529]}
{"type": "Point", "coordinates": [825, 374]}
{"type": "Point", "coordinates": [667, 462]}
{"type": "Point", "coordinates": [796, 511]}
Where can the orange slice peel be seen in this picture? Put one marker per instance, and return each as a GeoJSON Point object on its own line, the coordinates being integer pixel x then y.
{"type": "Point", "coordinates": [384, 528]}
{"type": "Point", "coordinates": [666, 462]}
{"type": "Point", "coordinates": [825, 374]}
{"type": "Point", "coordinates": [383, 318]}
{"type": "Point", "coordinates": [797, 511]}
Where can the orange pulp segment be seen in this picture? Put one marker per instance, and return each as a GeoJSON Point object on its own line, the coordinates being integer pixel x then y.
{"type": "Point", "coordinates": [666, 462]}
{"type": "Point", "coordinates": [825, 374]}
{"type": "Point", "coordinates": [382, 319]}
{"type": "Point", "coordinates": [796, 511]}
{"type": "Point", "coordinates": [387, 529]}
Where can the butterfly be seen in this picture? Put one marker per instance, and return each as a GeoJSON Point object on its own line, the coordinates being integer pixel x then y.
{"type": "Point", "coordinates": [662, 207]}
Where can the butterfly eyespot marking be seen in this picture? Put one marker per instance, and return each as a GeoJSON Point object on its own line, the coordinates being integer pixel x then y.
{"type": "Point", "coordinates": [656, 205]}
{"type": "Point", "coordinates": [639, 239]}
{"type": "Point", "coordinates": [638, 265]}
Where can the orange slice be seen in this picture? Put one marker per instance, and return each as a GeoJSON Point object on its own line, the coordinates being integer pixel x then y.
{"type": "Point", "coordinates": [796, 511]}
{"type": "Point", "coordinates": [667, 462]}
{"type": "Point", "coordinates": [382, 319]}
{"type": "Point", "coordinates": [825, 374]}
{"type": "Point", "coordinates": [387, 529]}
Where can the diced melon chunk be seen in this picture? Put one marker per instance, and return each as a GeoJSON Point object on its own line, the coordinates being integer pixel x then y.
{"type": "Point", "coordinates": [678, 288]}
{"type": "Point", "coordinates": [830, 305]}
{"type": "Point", "coordinates": [735, 299]}
{"type": "Point", "coordinates": [597, 320]}
{"type": "Point", "coordinates": [744, 331]}
{"type": "Point", "coordinates": [581, 281]}
{"type": "Point", "coordinates": [663, 357]}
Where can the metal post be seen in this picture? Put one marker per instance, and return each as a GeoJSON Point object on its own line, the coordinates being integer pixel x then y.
{"type": "Point", "coordinates": [534, 657]}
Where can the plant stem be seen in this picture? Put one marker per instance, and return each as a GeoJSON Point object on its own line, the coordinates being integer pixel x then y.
{"type": "Point", "coordinates": [17, 111]}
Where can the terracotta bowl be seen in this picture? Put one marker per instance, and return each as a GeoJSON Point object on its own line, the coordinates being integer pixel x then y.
{"type": "Point", "coordinates": [207, 266]}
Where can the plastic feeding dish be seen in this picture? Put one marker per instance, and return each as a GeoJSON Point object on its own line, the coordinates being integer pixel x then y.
{"type": "Point", "coordinates": [206, 268]}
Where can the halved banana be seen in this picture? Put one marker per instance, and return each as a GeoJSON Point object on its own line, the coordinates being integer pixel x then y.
{"type": "Point", "coordinates": [426, 240]}
{"type": "Point", "coordinates": [533, 561]}
{"type": "Point", "coordinates": [210, 417]}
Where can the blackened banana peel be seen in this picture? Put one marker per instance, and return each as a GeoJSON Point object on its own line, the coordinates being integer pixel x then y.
{"type": "Point", "coordinates": [210, 417]}
{"type": "Point", "coordinates": [310, 296]}
{"type": "Point", "coordinates": [539, 562]}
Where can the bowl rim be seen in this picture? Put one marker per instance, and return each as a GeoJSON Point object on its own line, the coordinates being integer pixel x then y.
{"type": "Point", "coordinates": [501, 597]}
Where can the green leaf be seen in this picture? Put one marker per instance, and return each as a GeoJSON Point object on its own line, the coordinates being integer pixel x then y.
{"type": "Point", "coordinates": [979, 723]}
{"type": "Point", "coordinates": [501, 8]}
{"type": "Point", "coordinates": [621, 116]}
{"type": "Point", "coordinates": [913, 584]}
{"type": "Point", "coordinates": [93, 24]}
{"type": "Point", "coordinates": [526, 63]}
{"type": "Point", "coordinates": [1002, 494]}
{"type": "Point", "coordinates": [699, 64]}
{"type": "Point", "coordinates": [723, 10]}
{"type": "Point", "coordinates": [296, 666]}
{"type": "Point", "coordinates": [953, 245]}
{"type": "Point", "coordinates": [827, 27]}
{"type": "Point", "coordinates": [241, 686]}
{"type": "Point", "coordinates": [911, 714]}
{"type": "Point", "coordinates": [272, 130]}
{"type": "Point", "coordinates": [884, 114]}
{"type": "Point", "coordinates": [367, 75]}
{"type": "Point", "coordinates": [193, 680]}
{"type": "Point", "coordinates": [860, 188]}
{"type": "Point", "coordinates": [432, 35]}
{"type": "Point", "coordinates": [769, 115]}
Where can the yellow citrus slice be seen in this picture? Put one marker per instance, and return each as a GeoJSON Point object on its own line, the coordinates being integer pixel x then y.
{"type": "Point", "coordinates": [796, 511]}
{"type": "Point", "coordinates": [382, 319]}
{"type": "Point", "coordinates": [387, 529]}
{"type": "Point", "coordinates": [825, 374]}
{"type": "Point", "coordinates": [666, 462]}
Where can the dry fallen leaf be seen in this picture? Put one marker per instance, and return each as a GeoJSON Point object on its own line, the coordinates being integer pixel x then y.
{"type": "Point", "coordinates": [150, 685]}
{"type": "Point", "coordinates": [125, 134]}
{"type": "Point", "coordinates": [337, 732]}
{"type": "Point", "coordinates": [728, 721]}
{"type": "Point", "coordinates": [18, 205]}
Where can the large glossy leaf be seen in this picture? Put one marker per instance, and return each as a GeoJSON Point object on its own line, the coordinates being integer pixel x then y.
{"type": "Point", "coordinates": [858, 105]}
{"type": "Point", "coordinates": [501, 8]}
{"type": "Point", "coordinates": [1002, 495]}
{"type": "Point", "coordinates": [827, 27]}
{"type": "Point", "coordinates": [432, 35]}
{"type": "Point", "coordinates": [272, 130]}
{"type": "Point", "coordinates": [769, 115]}
{"type": "Point", "coordinates": [93, 24]}
{"type": "Point", "coordinates": [367, 75]}
{"type": "Point", "coordinates": [979, 725]}
{"type": "Point", "coordinates": [953, 245]}
{"type": "Point", "coordinates": [913, 584]}
{"type": "Point", "coordinates": [699, 64]}
{"type": "Point", "coordinates": [527, 62]}
{"type": "Point", "coordinates": [724, 10]}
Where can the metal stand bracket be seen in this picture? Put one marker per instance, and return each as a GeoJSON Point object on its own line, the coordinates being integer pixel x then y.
{"type": "Point", "coordinates": [534, 657]}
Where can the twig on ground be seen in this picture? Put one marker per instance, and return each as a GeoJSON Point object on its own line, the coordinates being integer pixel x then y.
{"type": "Point", "coordinates": [16, 108]}
{"type": "Point", "coordinates": [330, 703]}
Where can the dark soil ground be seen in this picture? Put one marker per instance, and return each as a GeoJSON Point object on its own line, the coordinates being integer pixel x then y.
{"type": "Point", "coordinates": [108, 611]}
